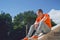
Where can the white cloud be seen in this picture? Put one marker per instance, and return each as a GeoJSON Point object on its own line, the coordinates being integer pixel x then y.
{"type": "Point", "coordinates": [55, 15]}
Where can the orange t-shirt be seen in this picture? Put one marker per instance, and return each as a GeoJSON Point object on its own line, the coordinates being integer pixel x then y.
{"type": "Point", "coordinates": [47, 21]}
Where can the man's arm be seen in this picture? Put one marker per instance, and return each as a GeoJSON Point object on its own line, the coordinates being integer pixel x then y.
{"type": "Point", "coordinates": [45, 17]}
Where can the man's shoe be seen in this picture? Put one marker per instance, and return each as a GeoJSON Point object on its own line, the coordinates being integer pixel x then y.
{"type": "Point", "coordinates": [26, 38]}
{"type": "Point", "coordinates": [34, 37]}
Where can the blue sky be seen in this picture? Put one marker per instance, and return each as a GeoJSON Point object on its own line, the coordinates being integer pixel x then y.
{"type": "Point", "coordinates": [16, 6]}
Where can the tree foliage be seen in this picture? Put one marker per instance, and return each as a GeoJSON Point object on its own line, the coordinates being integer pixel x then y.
{"type": "Point", "coordinates": [26, 18]}
{"type": "Point", "coordinates": [5, 25]}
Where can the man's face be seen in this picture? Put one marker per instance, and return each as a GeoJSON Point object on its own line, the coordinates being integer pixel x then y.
{"type": "Point", "coordinates": [39, 13]}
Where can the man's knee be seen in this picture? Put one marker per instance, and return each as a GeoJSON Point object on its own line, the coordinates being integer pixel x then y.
{"type": "Point", "coordinates": [32, 26]}
{"type": "Point", "coordinates": [46, 31]}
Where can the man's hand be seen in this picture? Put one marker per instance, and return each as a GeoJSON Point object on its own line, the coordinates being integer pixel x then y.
{"type": "Point", "coordinates": [35, 25]}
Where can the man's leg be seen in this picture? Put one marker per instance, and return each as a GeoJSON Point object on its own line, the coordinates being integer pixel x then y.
{"type": "Point", "coordinates": [42, 28]}
{"type": "Point", "coordinates": [32, 28]}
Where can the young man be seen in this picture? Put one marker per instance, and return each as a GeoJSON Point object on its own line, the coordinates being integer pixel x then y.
{"type": "Point", "coordinates": [41, 25]}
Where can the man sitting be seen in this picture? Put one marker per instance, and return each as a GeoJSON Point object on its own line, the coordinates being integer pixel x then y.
{"type": "Point", "coordinates": [41, 25]}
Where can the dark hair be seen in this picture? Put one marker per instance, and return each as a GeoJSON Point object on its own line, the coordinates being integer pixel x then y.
{"type": "Point", "coordinates": [40, 10]}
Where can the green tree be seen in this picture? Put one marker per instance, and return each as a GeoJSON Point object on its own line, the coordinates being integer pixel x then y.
{"type": "Point", "coordinates": [5, 25]}
{"type": "Point", "coordinates": [26, 18]}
